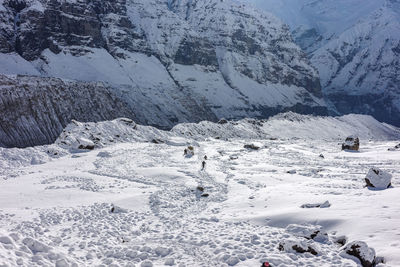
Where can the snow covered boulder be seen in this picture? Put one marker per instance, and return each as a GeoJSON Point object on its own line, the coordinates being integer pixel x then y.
{"type": "Point", "coordinates": [84, 143]}
{"type": "Point", "coordinates": [378, 179]}
{"type": "Point", "coordinates": [351, 143]}
{"type": "Point", "coordinates": [308, 231]}
{"type": "Point", "coordinates": [359, 251]}
{"type": "Point", "coordinates": [323, 205]}
{"type": "Point", "coordinates": [188, 152]}
{"type": "Point", "coordinates": [297, 246]}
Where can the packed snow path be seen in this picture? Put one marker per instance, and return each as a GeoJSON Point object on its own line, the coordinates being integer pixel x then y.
{"type": "Point", "coordinates": [141, 204]}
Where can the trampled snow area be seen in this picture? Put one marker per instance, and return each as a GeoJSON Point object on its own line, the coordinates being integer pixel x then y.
{"type": "Point", "coordinates": [136, 200]}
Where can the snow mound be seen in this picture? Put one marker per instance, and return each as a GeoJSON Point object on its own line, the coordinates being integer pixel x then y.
{"type": "Point", "coordinates": [376, 178]}
{"type": "Point", "coordinates": [90, 135]}
{"type": "Point", "coordinates": [87, 136]}
{"type": "Point", "coordinates": [291, 125]}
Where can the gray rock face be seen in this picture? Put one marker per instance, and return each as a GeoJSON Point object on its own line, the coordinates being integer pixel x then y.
{"type": "Point", "coordinates": [166, 61]}
{"type": "Point", "coordinates": [35, 110]}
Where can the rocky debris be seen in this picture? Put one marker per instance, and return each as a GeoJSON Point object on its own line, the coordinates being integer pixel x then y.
{"type": "Point", "coordinates": [351, 143]}
{"type": "Point", "coordinates": [379, 179]}
{"type": "Point", "coordinates": [325, 204]}
{"type": "Point", "coordinates": [395, 148]}
{"type": "Point", "coordinates": [222, 121]}
{"type": "Point", "coordinates": [321, 156]}
{"type": "Point", "coordinates": [309, 232]}
{"type": "Point", "coordinates": [296, 246]}
{"type": "Point", "coordinates": [360, 251]}
{"type": "Point", "coordinates": [205, 195]}
{"type": "Point", "coordinates": [157, 141]}
{"type": "Point", "coordinates": [292, 172]}
{"type": "Point", "coordinates": [251, 147]}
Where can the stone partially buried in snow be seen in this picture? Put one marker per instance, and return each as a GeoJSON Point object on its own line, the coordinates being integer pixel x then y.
{"type": "Point", "coordinates": [252, 146]}
{"type": "Point", "coordinates": [351, 143]}
{"type": "Point", "coordinates": [326, 204]}
{"type": "Point", "coordinates": [297, 246]}
{"type": "Point", "coordinates": [395, 148]}
{"type": "Point", "coordinates": [308, 231]}
{"type": "Point", "coordinates": [359, 251]}
{"type": "Point", "coordinates": [376, 178]}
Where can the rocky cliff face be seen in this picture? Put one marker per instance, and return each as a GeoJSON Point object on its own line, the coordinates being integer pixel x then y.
{"type": "Point", "coordinates": [35, 110]}
{"type": "Point", "coordinates": [168, 61]}
{"type": "Point", "coordinates": [354, 44]}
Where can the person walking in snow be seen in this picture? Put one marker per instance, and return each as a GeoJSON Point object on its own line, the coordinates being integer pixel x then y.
{"type": "Point", "coordinates": [203, 165]}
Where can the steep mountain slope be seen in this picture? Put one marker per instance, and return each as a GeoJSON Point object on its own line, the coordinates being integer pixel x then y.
{"type": "Point", "coordinates": [355, 47]}
{"type": "Point", "coordinates": [360, 69]}
{"type": "Point", "coordinates": [170, 61]}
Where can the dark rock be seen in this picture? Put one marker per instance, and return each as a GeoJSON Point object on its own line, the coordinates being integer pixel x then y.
{"type": "Point", "coordinates": [87, 147]}
{"type": "Point", "coordinates": [200, 188]}
{"type": "Point", "coordinates": [222, 121]}
{"type": "Point", "coordinates": [205, 195]}
{"type": "Point", "coordinates": [251, 146]}
{"type": "Point", "coordinates": [157, 141]}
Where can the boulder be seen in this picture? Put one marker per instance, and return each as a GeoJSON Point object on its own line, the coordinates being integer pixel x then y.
{"type": "Point", "coordinates": [189, 152]}
{"type": "Point", "coordinates": [358, 250]}
{"type": "Point", "coordinates": [378, 179]}
{"type": "Point", "coordinates": [296, 246]}
{"type": "Point", "coordinates": [84, 143]}
{"type": "Point", "coordinates": [308, 232]}
{"type": "Point", "coordinates": [351, 143]}
{"type": "Point", "coordinates": [252, 147]}
{"type": "Point", "coordinates": [222, 121]}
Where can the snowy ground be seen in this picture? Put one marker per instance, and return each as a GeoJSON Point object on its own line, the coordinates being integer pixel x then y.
{"type": "Point", "coordinates": [59, 212]}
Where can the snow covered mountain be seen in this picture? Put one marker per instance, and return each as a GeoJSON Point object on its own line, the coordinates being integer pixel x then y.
{"type": "Point", "coordinates": [354, 44]}
{"type": "Point", "coordinates": [166, 61]}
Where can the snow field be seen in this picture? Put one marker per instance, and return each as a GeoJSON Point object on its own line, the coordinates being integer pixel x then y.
{"type": "Point", "coordinates": [60, 212]}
